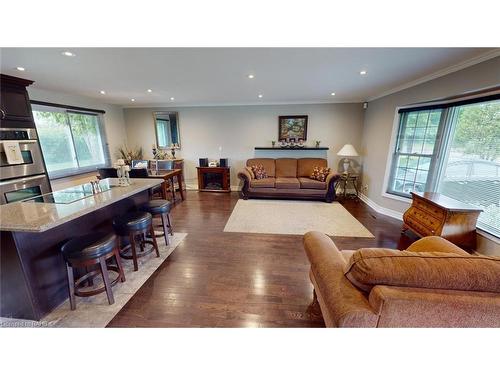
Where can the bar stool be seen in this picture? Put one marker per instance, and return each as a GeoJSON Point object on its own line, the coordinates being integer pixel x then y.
{"type": "Point", "coordinates": [160, 207]}
{"type": "Point", "coordinates": [87, 251]}
{"type": "Point", "coordinates": [133, 225]}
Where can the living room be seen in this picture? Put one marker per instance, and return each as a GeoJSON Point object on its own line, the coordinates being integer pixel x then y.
{"type": "Point", "coordinates": [250, 185]}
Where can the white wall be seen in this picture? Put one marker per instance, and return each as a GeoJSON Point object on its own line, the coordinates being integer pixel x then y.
{"type": "Point", "coordinates": [379, 120]}
{"type": "Point", "coordinates": [238, 129]}
{"type": "Point", "coordinates": [114, 124]}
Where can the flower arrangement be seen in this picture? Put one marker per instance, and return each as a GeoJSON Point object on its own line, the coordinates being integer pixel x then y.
{"type": "Point", "coordinates": [129, 154]}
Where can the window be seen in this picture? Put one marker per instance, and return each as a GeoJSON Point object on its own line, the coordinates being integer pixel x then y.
{"type": "Point", "coordinates": [453, 149]}
{"type": "Point", "coordinates": [72, 141]}
{"type": "Point", "coordinates": [415, 151]}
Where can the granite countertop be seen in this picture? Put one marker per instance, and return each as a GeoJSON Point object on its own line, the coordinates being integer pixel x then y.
{"type": "Point", "coordinates": [39, 217]}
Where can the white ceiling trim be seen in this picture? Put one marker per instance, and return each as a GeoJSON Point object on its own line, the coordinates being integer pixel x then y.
{"type": "Point", "coordinates": [173, 105]}
{"type": "Point", "coordinates": [440, 73]}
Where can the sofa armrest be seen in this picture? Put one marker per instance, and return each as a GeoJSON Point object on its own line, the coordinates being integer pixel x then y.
{"type": "Point", "coordinates": [245, 176]}
{"type": "Point", "coordinates": [419, 307]}
{"type": "Point", "coordinates": [435, 244]}
{"type": "Point", "coordinates": [331, 179]}
{"type": "Point", "coordinates": [342, 304]}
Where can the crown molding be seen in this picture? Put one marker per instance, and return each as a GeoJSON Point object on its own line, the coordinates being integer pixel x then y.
{"type": "Point", "coordinates": [440, 73]}
{"type": "Point", "coordinates": [173, 105]}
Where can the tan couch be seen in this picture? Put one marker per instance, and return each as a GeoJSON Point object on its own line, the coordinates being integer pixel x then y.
{"type": "Point", "coordinates": [433, 283]}
{"type": "Point", "coordinates": [288, 178]}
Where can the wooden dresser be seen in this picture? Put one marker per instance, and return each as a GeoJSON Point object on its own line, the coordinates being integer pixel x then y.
{"type": "Point", "coordinates": [433, 214]}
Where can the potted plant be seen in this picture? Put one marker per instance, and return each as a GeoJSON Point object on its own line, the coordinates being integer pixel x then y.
{"type": "Point", "coordinates": [129, 154]}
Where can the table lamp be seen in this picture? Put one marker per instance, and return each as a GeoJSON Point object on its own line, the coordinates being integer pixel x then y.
{"type": "Point", "coordinates": [347, 150]}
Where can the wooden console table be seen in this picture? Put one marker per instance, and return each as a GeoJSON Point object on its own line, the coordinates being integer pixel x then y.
{"type": "Point", "coordinates": [214, 179]}
{"type": "Point", "coordinates": [168, 176]}
{"type": "Point", "coordinates": [434, 214]}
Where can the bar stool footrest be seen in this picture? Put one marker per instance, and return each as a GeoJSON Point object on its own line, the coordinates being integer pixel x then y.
{"type": "Point", "coordinates": [93, 292]}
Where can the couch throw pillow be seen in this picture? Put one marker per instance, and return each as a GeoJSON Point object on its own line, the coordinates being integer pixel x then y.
{"type": "Point", "coordinates": [259, 171]}
{"type": "Point", "coordinates": [320, 173]}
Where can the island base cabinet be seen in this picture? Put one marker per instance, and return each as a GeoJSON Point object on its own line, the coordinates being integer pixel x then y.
{"type": "Point", "coordinates": [33, 275]}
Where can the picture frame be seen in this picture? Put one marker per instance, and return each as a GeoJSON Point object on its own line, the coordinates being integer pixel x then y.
{"type": "Point", "coordinates": [292, 127]}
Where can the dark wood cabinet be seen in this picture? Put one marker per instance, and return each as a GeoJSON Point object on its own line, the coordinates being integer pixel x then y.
{"type": "Point", "coordinates": [433, 214]}
{"type": "Point", "coordinates": [15, 107]}
{"type": "Point", "coordinates": [214, 179]}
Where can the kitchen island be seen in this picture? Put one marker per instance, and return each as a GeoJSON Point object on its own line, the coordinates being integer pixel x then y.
{"type": "Point", "coordinates": [33, 275]}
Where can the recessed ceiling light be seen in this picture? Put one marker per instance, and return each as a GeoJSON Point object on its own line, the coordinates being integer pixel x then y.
{"type": "Point", "coordinates": [20, 68]}
{"type": "Point", "coordinates": [132, 100]}
{"type": "Point", "coordinates": [363, 72]}
{"type": "Point", "coordinates": [103, 92]}
{"type": "Point", "coordinates": [332, 94]}
{"type": "Point", "coordinates": [68, 53]}
{"type": "Point", "coordinates": [149, 90]}
{"type": "Point", "coordinates": [251, 76]}
{"type": "Point", "coordinates": [172, 98]}
{"type": "Point", "coordinates": [260, 95]}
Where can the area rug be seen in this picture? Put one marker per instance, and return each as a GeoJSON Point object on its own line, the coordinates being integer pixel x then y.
{"type": "Point", "coordinates": [95, 312]}
{"type": "Point", "coordinates": [293, 217]}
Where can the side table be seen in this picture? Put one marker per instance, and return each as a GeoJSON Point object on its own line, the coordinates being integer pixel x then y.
{"type": "Point", "coordinates": [344, 181]}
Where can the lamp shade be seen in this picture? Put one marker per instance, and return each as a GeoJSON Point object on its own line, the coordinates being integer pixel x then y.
{"type": "Point", "coordinates": [347, 150]}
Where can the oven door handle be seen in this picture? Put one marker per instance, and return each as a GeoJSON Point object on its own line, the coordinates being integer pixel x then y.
{"type": "Point", "coordinates": [24, 179]}
{"type": "Point", "coordinates": [20, 141]}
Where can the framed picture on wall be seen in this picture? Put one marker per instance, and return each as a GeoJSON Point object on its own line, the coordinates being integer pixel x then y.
{"type": "Point", "coordinates": [292, 127]}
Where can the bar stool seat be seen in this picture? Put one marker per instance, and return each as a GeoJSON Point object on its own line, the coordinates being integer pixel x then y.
{"type": "Point", "coordinates": [157, 207]}
{"type": "Point", "coordinates": [132, 221]}
{"type": "Point", "coordinates": [160, 207]}
{"type": "Point", "coordinates": [90, 246]}
{"type": "Point", "coordinates": [85, 252]}
{"type": "Point", "coordinates": [135, 225]}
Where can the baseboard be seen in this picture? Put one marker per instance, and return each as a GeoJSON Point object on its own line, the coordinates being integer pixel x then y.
{"type": "Point", "coordinates": [381, 210]}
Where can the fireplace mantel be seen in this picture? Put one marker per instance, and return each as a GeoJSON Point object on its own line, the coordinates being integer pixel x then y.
{"type": "Point", "coordinates": [292, 148]}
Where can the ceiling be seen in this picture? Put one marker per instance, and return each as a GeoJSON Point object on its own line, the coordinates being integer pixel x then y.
{"type": "Point", "coordinates": [219, 76]}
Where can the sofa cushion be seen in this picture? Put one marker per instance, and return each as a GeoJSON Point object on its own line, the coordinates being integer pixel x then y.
{"type": "Point", "coordinates": [309, 183]}
{"type": "Point", "coordinates": [259, 172]}
{"type": "Point", "coordinates": [263, 183]}
{"type": "Point", "coordinates": [287, 183]}
{"type": "Point", "coordinates": [436, 244]}
{"type": "Point", "coordinates": [305, 166]}
{"type": "Point", "coordinates": [320, 173]}
{"type": "Point", "coordinates": [286, 167]}
{"type": "Point", "coordinates": [432, 270]}
{"type": "Point", "coordinates": [267, 163]}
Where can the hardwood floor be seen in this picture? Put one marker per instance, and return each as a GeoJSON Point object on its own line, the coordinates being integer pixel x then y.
{"type": "Point", "coordinates": [217, 279]}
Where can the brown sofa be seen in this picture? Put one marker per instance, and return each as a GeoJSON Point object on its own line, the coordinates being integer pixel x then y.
{"type": "Point", "coordinates": [433, 283]}
{"type": "Point", "coordinates": [288, 178]}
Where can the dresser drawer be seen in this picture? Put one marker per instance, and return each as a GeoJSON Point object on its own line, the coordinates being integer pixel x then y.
{"type": "Point", "coordinates": [415, 225]}
{"type": "Point", "coordinates": [435, 211]}
{"type": "Point", "coordinates": [432, 223]}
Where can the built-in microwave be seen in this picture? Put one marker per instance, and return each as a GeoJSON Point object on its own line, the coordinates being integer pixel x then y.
{"type": "Point", "coordinates": [30, 151]}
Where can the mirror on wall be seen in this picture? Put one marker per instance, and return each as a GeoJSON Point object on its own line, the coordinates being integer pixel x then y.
{"type": "Point", "coordinates": [167, 129]}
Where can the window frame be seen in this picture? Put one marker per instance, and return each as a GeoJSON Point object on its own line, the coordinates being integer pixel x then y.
{"type": "Point", "coordinates": [448, 119]}
{"type": "Point", "coordinates": [434, 156]}
{"type": "Point", "coordinates": [61, 108]}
